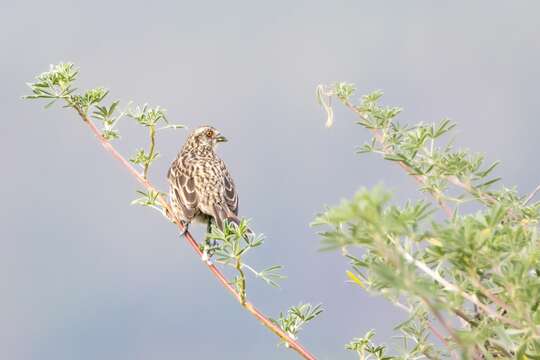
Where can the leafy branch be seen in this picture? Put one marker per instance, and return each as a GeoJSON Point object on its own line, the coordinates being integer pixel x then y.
{"type": "Point", "coordinates": [297, 316]}
{"type": "Point", "coordinates": [149, 118]}
{"type": "Point", "coordinates": [479, 270]}
{"type": "Point", "coordinates": [107, 116]}
{"type": "Point", "coordinates": [57, 85]}
{"type": "Point", "coordinates": [366, 349]}
{"type": "Point", "coordinates": [230, 245]}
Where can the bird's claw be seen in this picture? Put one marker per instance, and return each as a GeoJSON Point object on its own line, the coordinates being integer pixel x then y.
{"type": "Point", "coordinates": [186, 228]}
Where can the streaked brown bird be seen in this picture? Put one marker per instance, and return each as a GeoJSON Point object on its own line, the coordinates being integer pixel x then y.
{"type": "Point", "coordinates": [201, 187]}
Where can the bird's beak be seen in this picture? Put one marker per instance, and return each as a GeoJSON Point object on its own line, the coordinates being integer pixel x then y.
{"type": "Point", "coordinates": [221, 138]}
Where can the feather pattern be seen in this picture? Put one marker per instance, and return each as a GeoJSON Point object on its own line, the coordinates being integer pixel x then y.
{"type": "Point", "coordinates": [201, 187]}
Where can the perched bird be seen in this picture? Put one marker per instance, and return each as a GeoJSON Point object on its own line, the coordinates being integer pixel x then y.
{"type": "Point", "coordinates": [201, 187]}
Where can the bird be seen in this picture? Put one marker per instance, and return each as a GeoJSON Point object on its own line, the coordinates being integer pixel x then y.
{"type": "Point", "coordinates": [201, 188]}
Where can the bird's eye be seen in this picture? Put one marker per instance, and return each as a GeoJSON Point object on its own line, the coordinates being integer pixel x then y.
{"type": "Point", "coordinates": [209, 133]}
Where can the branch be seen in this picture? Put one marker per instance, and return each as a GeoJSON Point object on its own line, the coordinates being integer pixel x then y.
{"type": "Point", "coordinates": [419, 178]}
{"type": "Point", "coordinates": [446, 325]}
{"type": "Point", "coordinates": [151, 151]}
{"type": "Point", "coordinates": [431, 327]}
{"type": "Point", "coordinates": [296, 346]}
{"type": "Point", "coordinates": [488, 293]}
{"type": "Point", "coordinates": [443, 322]}
{"type": "Point", "coordinates": [463, 316]}
{"type": "Point", "coordinates": [242, 281]}
{"type": "Point", "coordinates": [485, 198]}
{"type": "Point", "coordinates": [531, 196]}
{"type": "Point", "coordinates": [439, 336]}
{"type": "Point", "coordinates": [455, 289]}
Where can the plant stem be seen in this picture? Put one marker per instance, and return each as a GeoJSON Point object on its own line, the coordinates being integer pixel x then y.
{"type": "Point", "coordinates": [441, 338]}
{"type": "Point", "coordinates": [464, 317]}
{"type": "Point", "coordinates": [483, 197]}
{"type": "Point", "coordinates": [531, 196]}
{"type": "Point", "coordinates": [444, 323]}
{"type": "Point", "coordinates": [151, 151]}
{"type": "Point", "coordinates": [296, 346]}
{"type": "Point", "coordinates": [242, 284]}
{"type": "Point", "coordinates": [489, 294]}
{"type": "Point", "coordinates": [454, 288]}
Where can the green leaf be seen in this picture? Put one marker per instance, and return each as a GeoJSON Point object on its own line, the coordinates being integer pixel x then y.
{"type": "Point", "coordinates": [355, 279]}
{"type": "Point", "coordinates": [488, 183]}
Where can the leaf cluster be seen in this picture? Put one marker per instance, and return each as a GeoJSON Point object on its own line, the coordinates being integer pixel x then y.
{"type": "Point", "coordinates": [148, 116]}
{"type": "Point", "coordinates": [109, 119]}
{"type": "Point", "coordinates": [54, 84]}
{"type": "Point", "coordinates": [366, 349]}
{"type": "Point", "coordinates": [296, 317]}
{"type": "Point", "coordinates": [230, 245]}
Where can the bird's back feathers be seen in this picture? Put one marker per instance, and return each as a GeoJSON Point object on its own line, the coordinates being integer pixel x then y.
{"type": "Point", "coordinates": [201, 187]}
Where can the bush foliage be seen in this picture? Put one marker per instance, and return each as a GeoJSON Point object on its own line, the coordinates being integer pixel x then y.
{"type": "Point", "coordinates": [470, 283]}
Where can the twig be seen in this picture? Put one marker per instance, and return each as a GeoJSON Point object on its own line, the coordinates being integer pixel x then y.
{"type": "Point", "coordinates": [489, 294]}
{"type": "Point", "coordinates": [438, 335]}
{"type": "Point", "coordinates": [442, 339]}
{"type": "Point", "coordinates": [442, 321]}
{"type": "Point", "coordinates": [464, 316]}
{"type": "Point", "coordinates": [242, 281]}
{"type": "Point", "coordinates": [445, 324]}
{"type": "Point", "coordinates": [432, 328]}
{"type": "Point", "coordinates": [151, 151]}
{"type": "Point", "coordinates": [453, 288]}
{"type": "Point", "coordinates": [485, 198]}
{"type": "Point", "coordinates": [531, 195]}
{"type": "Point", "coordinates": [296, 346]}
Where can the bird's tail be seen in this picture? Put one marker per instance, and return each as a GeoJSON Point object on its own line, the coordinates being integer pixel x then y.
{"type": "Point", "coordinates": [222, 214]}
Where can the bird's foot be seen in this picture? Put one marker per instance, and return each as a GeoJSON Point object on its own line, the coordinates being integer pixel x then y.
{"type": "Point", "coordinates": [185, 224]}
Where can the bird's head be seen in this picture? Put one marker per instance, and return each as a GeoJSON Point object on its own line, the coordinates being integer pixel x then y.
{"type": "Point", "coordinates": [205, 138]}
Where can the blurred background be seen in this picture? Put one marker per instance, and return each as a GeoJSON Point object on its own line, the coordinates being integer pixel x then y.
{"type": "Point", "coordinates": [84, 275]}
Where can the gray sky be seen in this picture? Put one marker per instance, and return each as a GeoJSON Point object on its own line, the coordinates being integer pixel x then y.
{"type": "Point", "coordinates": [86, 276]}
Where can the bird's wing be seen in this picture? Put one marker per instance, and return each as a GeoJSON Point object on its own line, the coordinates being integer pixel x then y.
{"type": "Point", "coordinates": [183, 195]}
{"type": "Point", "coordinates": [225, 206]}
{"type": "Point", "coordinates": [220, 213]}
{"type": "Point", "coordinates": [230, 194]}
